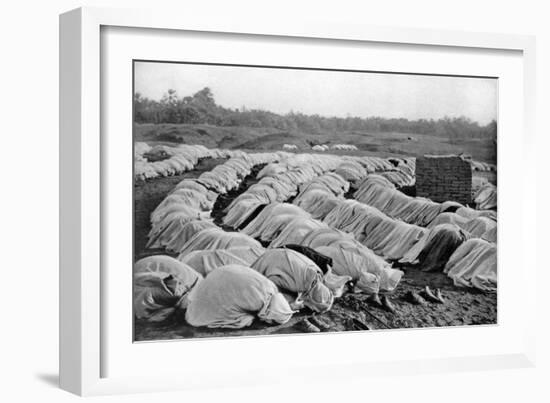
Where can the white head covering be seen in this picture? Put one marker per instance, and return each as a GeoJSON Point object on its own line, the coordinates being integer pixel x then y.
{"type": "Point", "coordinates": [319, 298]}
{"type": "Point", "coordinates": [276, 310]}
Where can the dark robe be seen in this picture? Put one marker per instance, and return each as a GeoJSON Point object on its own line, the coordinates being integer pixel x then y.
{"type": "Point", "coordinates": [437, 252]}
{"type": "Point", "coordinates": [252, 216]}
{"type": "Point", "coordinates": [319, 259]}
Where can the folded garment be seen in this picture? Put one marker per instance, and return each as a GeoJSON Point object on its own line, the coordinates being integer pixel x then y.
{"type": "Point", "coordinates": [206, 261]}
{"type": "Point", "coordinates": [178, 232]}
{"type": "Point", "coordinates": [370, 272]}
{"type": "Point", "coordinates": [395, 204]}
{"type": "Point", "coordinates": [449, 218]}
{"type": "Point", "coordinates": [252, 216]}
{"type": "Point", "coordinates": [171, 213]}
{"type": "Point", "coordinates": [490, 235]}
{"type": "Point", "coordinates": [324, 208]}
{"type": "Point", "coordinates": [194, 185]}
{"type": "Point", "coordinates": [486, 197]}
{"type": "Point", "coordinates": [324, 237]}
{"type": "Point", "coordinates": [233, 296]}
{"type": "Point", "coordinates": [312, 199]}
{"type": "Point", "coordinates": [479, 226]}
{"type": "Point", "coordinates": [272, 220]}
{"type": "Point", "coordinates": [474, 264]}
{"type": "Point", "coordinates": [435, 248]}
{"type": "Point", "coordinates": [216, 238]}
{"type": "Point", "coordinates": [161, 287]}
{"type": "Point", "coordinates": [296, 231]}
{"type": "Point", "coordinates": [239, 212]}
{"type": "Point", "coordinates": [296, 273]}
{"type": "Point", "coordinates": [322, 261]}
{"type": "Point", "coordinates": [471, 213]}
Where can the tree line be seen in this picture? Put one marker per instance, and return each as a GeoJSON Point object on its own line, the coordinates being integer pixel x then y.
{"type": "Point", "coordinates": [201, 108]}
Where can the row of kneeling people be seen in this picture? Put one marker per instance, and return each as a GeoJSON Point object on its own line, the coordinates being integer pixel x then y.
{"type": "Point", "coordinates": [282, 180]}
{"type": "Point", "coordinates": [320, 207]}
{"type": "Point", "coordinates": [378, 192]}
{"type": "Point", "coordinates": [223, 289]}
{"type": "Point", "coordinates": [278, 181]}
{"type": "Point", "coordinates": [430, 248]}
{"type": "Point", "coordinates": [195, 198]}
{"type": "Point", "coordinates": [281, 223]}
{"type": "Point", "coordinates": [226, 291]}
{"type": "Point", "coordinates": [321, 265]}
{"type": "Point", "coordinates": [314, 270]}
{"type": "Point", "coordinates": [151, 162]}
{"type": "Point", "coordinates": [470, 263]}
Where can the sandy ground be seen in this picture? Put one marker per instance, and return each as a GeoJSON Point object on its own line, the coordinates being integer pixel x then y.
{"type": "Point", "coordinates": [352, 312]}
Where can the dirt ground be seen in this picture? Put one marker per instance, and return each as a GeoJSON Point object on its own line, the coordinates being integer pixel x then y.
{"type": "Point", "coordinates": [352, 312]}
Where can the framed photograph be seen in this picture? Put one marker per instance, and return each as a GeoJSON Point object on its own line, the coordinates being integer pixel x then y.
{"type": "Point", "coordinates": [242, 200]}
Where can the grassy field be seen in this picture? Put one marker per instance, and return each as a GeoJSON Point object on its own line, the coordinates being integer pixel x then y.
{"type": "Point", "coordinates": [269, 139]}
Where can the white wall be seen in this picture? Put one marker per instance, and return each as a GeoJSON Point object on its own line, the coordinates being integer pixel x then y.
{"type": "Point", "coordinates": [29, 145]}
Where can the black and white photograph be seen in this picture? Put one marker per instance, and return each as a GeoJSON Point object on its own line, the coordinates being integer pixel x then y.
{"type": "Point", "coordinates": [235, 201]}
{"type": "Point", "coordinates": [272, 200]}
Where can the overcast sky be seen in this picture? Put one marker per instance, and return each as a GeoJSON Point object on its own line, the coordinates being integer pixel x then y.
{"type": "Point", "coordinates": [326, 93]}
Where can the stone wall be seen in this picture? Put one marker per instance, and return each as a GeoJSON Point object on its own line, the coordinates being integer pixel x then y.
{"type": "Point", "coordinates": [444, 178]}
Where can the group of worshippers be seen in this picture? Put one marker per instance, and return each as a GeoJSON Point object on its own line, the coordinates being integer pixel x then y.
{"type": "Point", "coordinates": [320, 246]}
{"type": "Point", "coordinates": [224, 289]}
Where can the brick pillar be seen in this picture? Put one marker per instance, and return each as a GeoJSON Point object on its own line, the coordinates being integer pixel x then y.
{"type": "Point", "coordinates": [444, 178]}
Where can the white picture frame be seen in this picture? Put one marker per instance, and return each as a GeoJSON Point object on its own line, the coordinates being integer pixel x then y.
{"type": "Point", "coordinates": [82, 197]}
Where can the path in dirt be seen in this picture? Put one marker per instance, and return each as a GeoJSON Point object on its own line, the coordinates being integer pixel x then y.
{"type": "Point", "coordinates": [350, 313]}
